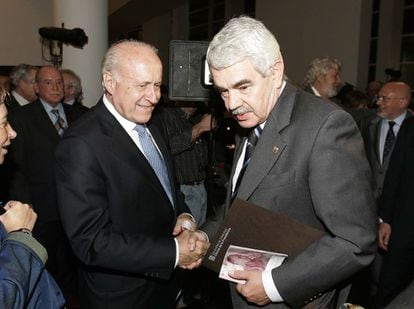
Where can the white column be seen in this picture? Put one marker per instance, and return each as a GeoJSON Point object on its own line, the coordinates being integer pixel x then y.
{"type": "Point", "coordinates": [92, 17]}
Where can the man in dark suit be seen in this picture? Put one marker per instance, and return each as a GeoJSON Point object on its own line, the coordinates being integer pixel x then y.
{"type": "Point", "coordinates": [73, 89]}
{"type": "Point", "coordinates": [120, 205]}
{"type": "Point", "coordinates": [32, 157]}
{"type": "Point", "coordinates": [392, 102]}
{"type": "Point", "coordinates": [396, 231]}
{"type": "Point", "coordinates": [308, 163]}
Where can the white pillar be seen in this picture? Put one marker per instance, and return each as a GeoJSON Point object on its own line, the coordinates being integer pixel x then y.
{"type": "Point", "coordinates": [92, 17]}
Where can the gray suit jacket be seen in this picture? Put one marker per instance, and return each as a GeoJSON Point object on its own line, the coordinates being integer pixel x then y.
{"type": "Point", "coordinates": [310, 164]}
{"type": "Point", "coordinates": [370, 129]}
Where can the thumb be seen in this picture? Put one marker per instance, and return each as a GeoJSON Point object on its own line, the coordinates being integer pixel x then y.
{"type": "Point", "coordinates": [238, 274]}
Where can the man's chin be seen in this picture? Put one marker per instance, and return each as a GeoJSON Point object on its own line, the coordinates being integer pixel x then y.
{"type": "Point", "coordinates": [247, 124]}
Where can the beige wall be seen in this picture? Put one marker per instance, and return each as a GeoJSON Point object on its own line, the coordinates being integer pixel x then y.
{"type": "Point", "coordinates": [308, 29]}
{"type": "Point", "coordinates": [20, 21]}
{"type": "Point", "coordinates": [159, 31]}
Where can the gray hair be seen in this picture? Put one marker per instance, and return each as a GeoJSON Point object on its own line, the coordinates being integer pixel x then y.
{"type": "Point", "coordinates": [113, 56]}
{"type": "Point", "coordinates": [318, 67]}
{"type": "Point", "coordinates": [244, 37]}
{"type": "Point", "coordinates": [74, 81]}
{"type": "Point", "coordinates": [20, 72]}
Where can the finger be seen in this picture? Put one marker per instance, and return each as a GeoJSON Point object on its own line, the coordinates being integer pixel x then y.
{"type": "Point", "coordinates": [192, 244]}
{"type": "Point", "coordinates": [177, 230]}
{"type": "Point", "coordinates": [237, 274]}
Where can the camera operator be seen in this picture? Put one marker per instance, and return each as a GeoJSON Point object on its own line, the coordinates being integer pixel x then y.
{"type": "Point", "coordinates": [186, 124]}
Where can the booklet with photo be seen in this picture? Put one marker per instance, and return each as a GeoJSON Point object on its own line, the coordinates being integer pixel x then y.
{"type": "Point", "coordinates": [251, 226]}
{"type": "Point", "coordinates": [241, 258]}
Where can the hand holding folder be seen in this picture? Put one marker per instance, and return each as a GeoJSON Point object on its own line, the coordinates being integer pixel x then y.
{"type": "Point", "coordinates": [251, 226]}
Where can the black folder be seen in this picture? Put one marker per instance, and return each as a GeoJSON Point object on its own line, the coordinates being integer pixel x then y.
{"type": "Point", "coordinates": [252, 226]}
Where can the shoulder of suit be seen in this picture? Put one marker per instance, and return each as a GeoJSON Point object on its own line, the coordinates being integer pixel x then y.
{"type": "Point", "coordinates": [27, 110]}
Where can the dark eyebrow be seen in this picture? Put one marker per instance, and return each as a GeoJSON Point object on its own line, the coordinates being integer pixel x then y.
{"type": "Point", "coordinates": [242, 82]}
{"type": "Point", "coordinates": [236, 85]}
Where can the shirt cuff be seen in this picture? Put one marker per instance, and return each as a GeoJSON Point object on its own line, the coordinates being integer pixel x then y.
{"type": "Point", "coordinates": [177, 252]}
{"type": "Point", "coordinates": [270, 287]}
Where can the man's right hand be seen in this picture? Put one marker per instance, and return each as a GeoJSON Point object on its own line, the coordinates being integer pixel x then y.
{"type": "Point", "coordinates": [18, 216]}
{"type": "Point", "coordinates": [190, 256]}
{"type": "Point", "coordinates": [384, 234]}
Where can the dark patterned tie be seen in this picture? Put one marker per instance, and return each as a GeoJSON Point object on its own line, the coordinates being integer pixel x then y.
{"type": "Point", "coordinates": [389, 140]}
{"type": "Point", "coordinates": [155, 159]}
{"type": "Point", "coordinates": [59, 123]}
{"type": "Point", "coordinates": [251, 144]}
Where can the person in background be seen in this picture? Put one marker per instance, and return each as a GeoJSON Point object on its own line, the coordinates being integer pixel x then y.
{"type": "Point", "coordinates": [300, 156]}
{"type": "Point", "coordinates": [396, 212]}
{"type": "Point", "coordinates": [32, 155]}
{"type": "Point", "coordinates": [5, 82]}
{"type": "Point", "coordinates": [22, 80]}
{"type": "Point", "coordinates": [73, 89]}
{"type": "Point", "coordinates": [323, 77]}
{"type": "Point", "coordinates": [373, 88]}
{"type": "Point", "coordinates": [24, 282]}
{"type": "Point", "coordinates": [185, 128]}
{"type": "Point", "coordinates": [380, 131]}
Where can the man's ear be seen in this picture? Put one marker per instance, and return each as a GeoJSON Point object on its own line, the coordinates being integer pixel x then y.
{"type": "Point", "coordinates": [277, 72]}
{"type": "Point", "coordinates": [108, 82]}
{"type": "Point", "coordinates": [36, 87]}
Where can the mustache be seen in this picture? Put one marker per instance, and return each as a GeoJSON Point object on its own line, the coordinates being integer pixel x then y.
{"type": "Point", "coordinates": [240, 110]}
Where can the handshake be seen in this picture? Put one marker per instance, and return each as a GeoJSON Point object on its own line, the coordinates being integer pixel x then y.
{"type": "Point", "coordinates": [192, 244]}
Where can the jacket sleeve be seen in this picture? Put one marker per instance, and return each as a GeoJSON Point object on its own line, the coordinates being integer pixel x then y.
{"type": "Point", "coordinates": [22, 261]}
{"type": "Point", "coordinates": [338, 182]}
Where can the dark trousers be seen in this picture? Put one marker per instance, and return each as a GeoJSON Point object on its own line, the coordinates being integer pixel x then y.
{"type": "Point", "coordinates": [397, 272]}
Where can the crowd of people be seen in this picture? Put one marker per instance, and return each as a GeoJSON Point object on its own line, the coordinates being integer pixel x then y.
{"type": "Point", "coordinates": [107, 207]}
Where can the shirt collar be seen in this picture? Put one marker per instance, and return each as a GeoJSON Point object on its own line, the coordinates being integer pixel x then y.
{"type": "Point", "coordinates": [19, 98]}
{"type": "Point", "coordinates": [399, 120]}
{"type": "Point", "coordinates": [316, 92]}
{"type": "Point", "coordinates": [49, 107]}
{"type": "Point", "coordinates": [125, 123]}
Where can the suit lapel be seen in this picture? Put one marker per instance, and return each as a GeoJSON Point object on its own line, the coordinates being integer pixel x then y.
{"type": "Point", "coordinates": [270, 144]}
{"type": "Point", "coordinates": [126, 151]}
{"type": "Point", "coordinates": [43, 121]}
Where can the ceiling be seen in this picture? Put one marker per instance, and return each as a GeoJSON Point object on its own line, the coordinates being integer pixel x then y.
{"type": "Point", "coordinates": [128, 15]}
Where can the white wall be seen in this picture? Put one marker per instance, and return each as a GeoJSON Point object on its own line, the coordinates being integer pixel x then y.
{"type": "Point", "coordinates": [86, 61]}
{"type": "Point", "coordinates": [20, 21]}
{"type": "Point", "coordinates": [309, 29]}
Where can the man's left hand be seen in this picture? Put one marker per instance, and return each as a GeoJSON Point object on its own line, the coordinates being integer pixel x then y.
{"type": "Point", "coordinates": [253, 289]}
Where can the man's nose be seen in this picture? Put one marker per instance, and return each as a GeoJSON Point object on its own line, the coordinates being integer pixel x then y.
{"type": "Point", "coordinates": [233, 101]}
{"type": "Point", "coordinates": [151, 94]}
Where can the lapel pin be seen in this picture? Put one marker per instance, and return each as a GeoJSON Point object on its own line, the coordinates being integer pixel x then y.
{"type": "Point", "coordinates": [275, 149]}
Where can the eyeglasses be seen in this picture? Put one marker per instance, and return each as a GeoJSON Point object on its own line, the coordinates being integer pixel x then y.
{"type": "Point", "coordinates": [386, 99]}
